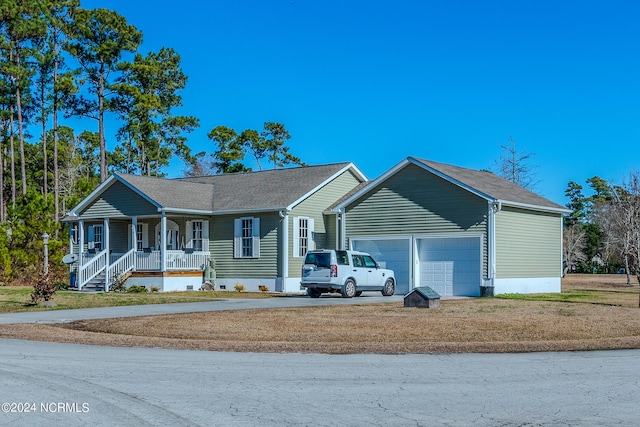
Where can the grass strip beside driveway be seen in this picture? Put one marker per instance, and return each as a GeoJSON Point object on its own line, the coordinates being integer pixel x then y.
{"type": "Point", "coordinates": [14, 299]}
{"type": "Point", "coordinates": [590, 314]}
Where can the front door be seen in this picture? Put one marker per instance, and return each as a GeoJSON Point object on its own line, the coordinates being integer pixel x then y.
{"type": "Point", "coordinates": [173, 235]}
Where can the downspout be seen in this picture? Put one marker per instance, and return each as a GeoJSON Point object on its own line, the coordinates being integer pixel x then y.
{"type": "Point", "coordinates": [338, 221]}
{"type": "Point", "coordinates": [495, 206]}
{"type": "Point", "coordinates": [81, 241]}
{"type": "Point", "coordinates": [343, 229]}
{"type": "Point", "coordinates": [561, 246]}
{"type": "Point", "coordinates": [284, 248]}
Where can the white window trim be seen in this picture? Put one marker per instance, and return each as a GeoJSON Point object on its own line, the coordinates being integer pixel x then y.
{"type": "Point", "coordinates": [311, 244]}
{"type": "Point", "coordinates": [237, 237]}
{"type": "Point", "coordinates": [145, 236]}
{"type": "Point", "coordinates": [205, 234]}
{"type": "Point", "coordinates": [91, 243]}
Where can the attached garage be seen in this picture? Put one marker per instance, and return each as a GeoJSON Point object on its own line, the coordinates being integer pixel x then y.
{"type": "Point", "coordinates": [450, 265]}
{"type": "Point", "coordinates": [393, 253]}
{"type": "Point", "coordinates": [455, 230]}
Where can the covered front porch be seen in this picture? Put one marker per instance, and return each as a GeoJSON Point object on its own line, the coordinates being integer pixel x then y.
{"type": "Point", "coordinates": [174, 257]}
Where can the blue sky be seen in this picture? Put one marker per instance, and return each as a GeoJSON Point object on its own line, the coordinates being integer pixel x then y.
{"type": "Point", "coordinates": [376, 81]}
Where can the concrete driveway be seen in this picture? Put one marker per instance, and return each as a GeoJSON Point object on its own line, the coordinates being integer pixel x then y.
{"type": "Point", "coordinates": [43, 384]}
{"type": "Point", "coordinates": [53, 316]}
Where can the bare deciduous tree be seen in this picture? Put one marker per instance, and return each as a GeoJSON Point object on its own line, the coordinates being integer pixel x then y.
{"type": "Point", "coordinates": [516, 166]}
{"type": "Point", "coordinates": [573, 241]}
{"type": "Point", "coordinates": [625, 214]}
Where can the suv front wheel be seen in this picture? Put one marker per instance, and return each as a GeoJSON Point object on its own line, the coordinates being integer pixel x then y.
{"type": "Point", "coordinates": [349, 289]}
{"type": "Point", "coordinates": [389, 288]}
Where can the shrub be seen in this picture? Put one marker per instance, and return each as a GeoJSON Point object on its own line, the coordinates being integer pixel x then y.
{"type": "Point", "coordinates": [136, 289]}
{"type": "Point", "coordinates": [263, 288]}
{"type": "Point", "coordinates": [43, 289]}
{"type": "Point", "coordinates": [155, 289]}
{"type": "Point", "coordinates": [238, 287]}
{"type": "Point", "coordinates": [119, 284]}
{"type": "Point", "coordinates": [62, 286]}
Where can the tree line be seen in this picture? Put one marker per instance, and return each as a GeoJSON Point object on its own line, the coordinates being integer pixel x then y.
{"type": "Point", "coordinates": [61, 64]}
{"type": "Point", "coordinates": [602, 233]}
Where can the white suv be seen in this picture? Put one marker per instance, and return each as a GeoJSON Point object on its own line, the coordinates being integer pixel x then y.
{"type": "Point", "coordinates": [347, 272]}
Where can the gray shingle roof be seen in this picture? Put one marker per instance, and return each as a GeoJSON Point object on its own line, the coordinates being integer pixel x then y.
{"type": "Point", "coordinates": [490, 185]}
{"type": "Point", "coordinates": [169, 193]}
{"type": "Point", "coordinates": [265, 190]}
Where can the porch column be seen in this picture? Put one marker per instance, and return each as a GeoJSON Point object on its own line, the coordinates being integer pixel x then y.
{"type": "Point", "coordinates": [163, 242]}
{"type": "Point", "coordinates": [134, 239]}
{"type": "Point", "coordinates": [134, 233]}
{"type": "Point", "coordinates": [81, 241]}
{"type": "Point", "coordinates": [105, 238]}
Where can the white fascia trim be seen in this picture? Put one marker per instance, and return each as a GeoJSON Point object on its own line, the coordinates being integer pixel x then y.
{"type": "Point", "coordinates": [534, 207]}
{"type": "Point", "coordinates": [450, 179]}
{"type": "Point", "coordinates": [327, 181]}
{"type": "Point", "coordinates": [138, 192]}
{"type": "Point", "coordinates": [398, 167]}
{"type": "Point", "coordinates": [227, 212]}
{"type": "Point", "coordinates": [458, 235]}
{"type": "Point", "coordinates": [387, 237]}
{"type": "Point", "coordinates": [91, 197]}
{"type": "Point", "coordinates": [370, 185]}
{"type": "Point", "coordinates": [185, 211]}
{"type": "Point", "coordinates": [247, 211]}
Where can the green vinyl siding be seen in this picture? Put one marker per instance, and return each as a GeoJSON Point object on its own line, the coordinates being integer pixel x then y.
{"type": "Point", "coordinates": [221, 247]}
{"type": "Point", "coordinates": [119, 201]}
{"type": "Point", "coordinates": [414, 202]}
{"type": "Point", "coordinates": [527, 244]}
{"type": "Point", "coordinates": [119, 238]}
{"type": "Point", "coordinates": [313, 207]}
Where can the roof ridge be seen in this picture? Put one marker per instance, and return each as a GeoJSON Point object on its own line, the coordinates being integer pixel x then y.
{"type": "Point", "coordinates": [252, 172]}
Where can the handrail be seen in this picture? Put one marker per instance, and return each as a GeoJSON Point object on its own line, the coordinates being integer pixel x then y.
{"type": "Point", "coordinates": [121, 266]}
{"type": "Point", "coordinates": [177, 260]}
{"type": "Point", "coordinates": [92, 268]}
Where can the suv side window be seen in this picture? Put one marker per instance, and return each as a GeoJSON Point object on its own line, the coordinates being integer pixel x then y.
{"type": "Point", "coordinates": [369, 262]}
{"type": "Point", "coordinates": [357, 261]}
{"type": "Point", "coordinates": [343, 258]}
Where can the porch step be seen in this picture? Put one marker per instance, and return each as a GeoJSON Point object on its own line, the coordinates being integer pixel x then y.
{"type": "Point", "coordinates": [94, 285]}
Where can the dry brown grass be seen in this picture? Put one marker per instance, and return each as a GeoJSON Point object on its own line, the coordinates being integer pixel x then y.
{"type": "Point", "coordinates": [592, 313]}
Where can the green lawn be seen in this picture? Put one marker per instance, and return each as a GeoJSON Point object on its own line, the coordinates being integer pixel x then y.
{"type": "Point", "coordinates": [18, 298]}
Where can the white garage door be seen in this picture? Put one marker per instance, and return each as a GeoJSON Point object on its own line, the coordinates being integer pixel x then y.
{"type": "Point", "coordinates": [390, 253]}
{"type": "Point", "coordinates": [451, 266]}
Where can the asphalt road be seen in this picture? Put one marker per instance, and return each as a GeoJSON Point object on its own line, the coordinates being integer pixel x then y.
{"type": "Point", "coordinates": [45, 384]}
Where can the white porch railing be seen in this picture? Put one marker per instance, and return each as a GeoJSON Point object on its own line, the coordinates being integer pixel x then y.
{"type": "Point", "coordinates": [181, 260]}
{"type": "Point", "coordinates": [176, 260]}
{"type": "Point", "coordinates": [120, 266]}
{"type": "Point", "coordinates": [119, 263]}
{"type": "Point", "coordinates": [93, 267]}
{"type": "Point", "coordinates": [148, 261]}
